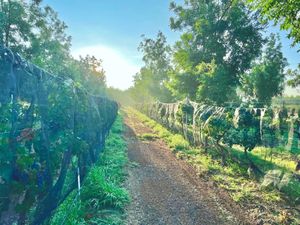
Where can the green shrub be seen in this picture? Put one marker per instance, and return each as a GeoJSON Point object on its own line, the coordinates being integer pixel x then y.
{"type": "Point", "coordinates": [148, 136]}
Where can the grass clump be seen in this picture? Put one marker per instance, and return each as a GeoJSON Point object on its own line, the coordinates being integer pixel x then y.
{"type": "Point", "coordinates": [103, 197]}
{"type": "Point", "coordinates": [148, 137]}
{"type": "Point", "coordinates": [178, 143]}
{"type": "Point", "coordinates": [103, 191]}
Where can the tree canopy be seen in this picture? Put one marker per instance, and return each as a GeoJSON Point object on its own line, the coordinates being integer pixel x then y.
{"type": "Point", "coordinates": [285, 13]}
{"type": "Point", "coordinates": [220, 51]}
{"type": "Point", "coordinates": [150, 81]}
{"type": "Point", "coordinates": [223, 36]}
{"type": "Point", "coordinates": [37, 33]}
{"type": "Point", "coordinates": [266, 77]}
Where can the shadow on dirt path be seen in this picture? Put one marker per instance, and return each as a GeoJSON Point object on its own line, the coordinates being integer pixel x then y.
{"type": "Point", "coordinates": [166, 190]}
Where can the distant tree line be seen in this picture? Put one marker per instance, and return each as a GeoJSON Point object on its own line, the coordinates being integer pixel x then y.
{"type": "Point", "coordinates": [222, 56]}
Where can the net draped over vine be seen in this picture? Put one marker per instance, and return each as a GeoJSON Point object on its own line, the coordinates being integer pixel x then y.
{"type": "Point", "coordinates": [49, 127]}
{"type": "Point", "coordinates": [249, 127]}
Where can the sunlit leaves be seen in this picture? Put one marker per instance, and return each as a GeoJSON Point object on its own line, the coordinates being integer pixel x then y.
{"type": "Point", "coordinates": [284, 13]}
{"type": "Point", "coordinates": [266, 78]}
{"type": "Point", "coordinates": [223, 32]}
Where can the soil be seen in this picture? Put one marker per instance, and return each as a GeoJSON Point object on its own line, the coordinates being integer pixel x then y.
{"type": "Point", "coordinates": [167, 191]}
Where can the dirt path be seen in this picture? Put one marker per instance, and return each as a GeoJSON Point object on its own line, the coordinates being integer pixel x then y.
{"type": "Point", "coordinates": [166, 190]}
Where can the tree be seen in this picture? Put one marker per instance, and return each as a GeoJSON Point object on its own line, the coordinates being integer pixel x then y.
{"type": "Point", "coordinates": [143, 86]}
{"type": "Point", "coordinates": [205, 83]}
{"type": "Point", "coordinates": [36, 32]}
{"type": "Point", "coordinates": [50, 45]}
{"type": "Point", "coordinates": [152, 77]}
{"type": "Point", "coordinates": [15, 28]}
{"type": "Point", "coordinates": [221, 32]}
{"type": "Point", "coordinates": [266, 78]}
{"type": "Point", "coordinates": [285, 13]}
{"type": "Point", "coordinates": [94, 74]}
{"type": "Point", "coordinates": [295, 77]}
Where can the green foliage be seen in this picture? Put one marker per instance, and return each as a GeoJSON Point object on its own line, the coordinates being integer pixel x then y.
{"type": "Point", "coordinates": [142, 82]}
{"type": "Point", "coordinates": [295, 77]}
{"type": "Point", "coordinates": [217, 88]}
{"type": "Point", "coordinates": [270, 70]}
{"type": "Point", "coordinates": [102, 194]}
{"type": "Point", "coordinates": [218, 55]}
{"type": "Point", "coordinates": [185, 112]}
{"type": "Point", "coordinates": [286, 14]}
{"type": "Point", "coordinates": [103, 197]}
{"type": "Point", "coordinates": [148, 136]}
{"type": "Point", "coordinates": [149, 83]}
{"type": "Point", "coordinates": [16, 22]}
{"type": "Point", "coordinates": [219, 42]}
{"type": "Point", "coordinates": [36, 32]}
{"type": "Point", "coordinates": [218, 128]}
{"type": "Point", "coordinates": [94, 74]}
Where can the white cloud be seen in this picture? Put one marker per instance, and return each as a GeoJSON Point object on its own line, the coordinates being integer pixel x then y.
{"type": "Point", "coordinates": [119, 69]}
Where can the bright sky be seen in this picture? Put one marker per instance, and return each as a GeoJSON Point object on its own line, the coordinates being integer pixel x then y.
{"type": "Point", "coordinates": [111, 30]}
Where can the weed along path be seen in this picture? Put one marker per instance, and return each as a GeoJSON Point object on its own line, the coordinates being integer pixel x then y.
{"type": "Point", "coordinates": [165, 190]}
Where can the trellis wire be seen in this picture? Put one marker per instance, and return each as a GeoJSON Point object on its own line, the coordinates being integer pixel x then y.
{"type": "Point", "coordinates": [193, 130]}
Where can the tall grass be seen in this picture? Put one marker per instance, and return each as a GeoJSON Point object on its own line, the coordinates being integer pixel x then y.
{"type": "Point", "coordinates": [103, 197]}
